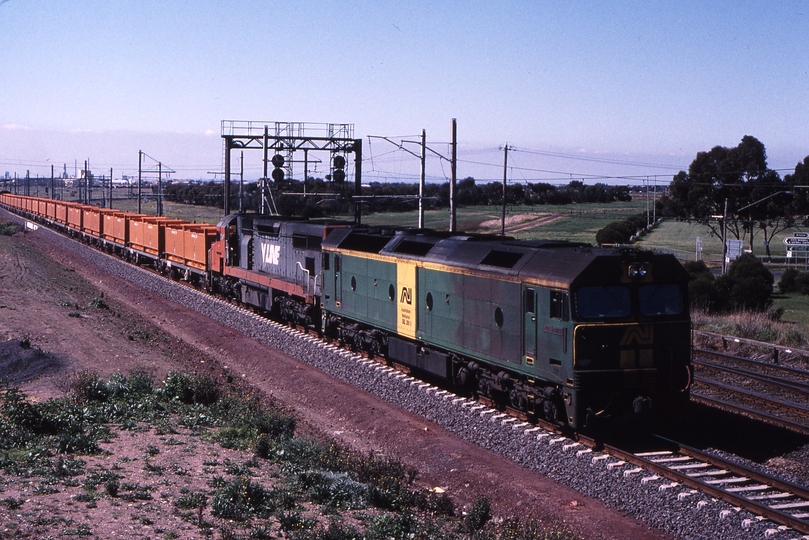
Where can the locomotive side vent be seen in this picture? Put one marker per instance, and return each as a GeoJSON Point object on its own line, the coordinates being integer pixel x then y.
{"type": "Point", "coordinates": [501, 259]}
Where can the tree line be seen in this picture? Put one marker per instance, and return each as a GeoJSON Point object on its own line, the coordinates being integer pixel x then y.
{"type": "Point", "coordinates": [317, 197]}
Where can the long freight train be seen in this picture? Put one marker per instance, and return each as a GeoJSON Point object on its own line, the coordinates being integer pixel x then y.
{"type": "Point", "coordinates": [580, 336]}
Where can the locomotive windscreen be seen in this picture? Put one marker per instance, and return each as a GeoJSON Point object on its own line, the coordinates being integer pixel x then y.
{"type": "Point", "coordinates": [603, 302]}
{"type": "Point", "coordinates": [660, 300]}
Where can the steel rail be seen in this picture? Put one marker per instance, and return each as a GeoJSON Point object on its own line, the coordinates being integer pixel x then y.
{"type": "Point", "coordinates": [766, 379]}
{"type": "Point", "coordinates": [752, 361]}
{"type": "Point", "coordinates": [756, 395]}
{"type": "Point", "coordinates": [710, 483]}
{"type": "Point", "coordinates": [803, 429]}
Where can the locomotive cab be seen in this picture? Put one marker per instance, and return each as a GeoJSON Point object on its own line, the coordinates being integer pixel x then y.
{"type": "Point", "coordinates": [631, 339]}
{"type": "Point", "coordinates": [274, 263]}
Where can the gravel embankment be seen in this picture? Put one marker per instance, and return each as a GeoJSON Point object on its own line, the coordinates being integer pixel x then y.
{"type": "Point", "coordinates": [674, 509]}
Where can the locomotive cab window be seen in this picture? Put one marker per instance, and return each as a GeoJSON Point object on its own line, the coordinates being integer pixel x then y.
{"type": "Point", "coordinates": [608, 302]}
{"type": "Point", "coordinates": [560, 306]}
{"type": "Point", "coordinates": [658, 300]}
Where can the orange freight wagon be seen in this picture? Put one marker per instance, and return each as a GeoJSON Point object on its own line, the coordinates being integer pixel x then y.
{"type": "Point", "coordinates": [62, 211]}
{"type": "Point", "coordinates": [50, 211]}
{"type": "Point", "coordinates": [147, 233]}
{"type": "Point", "coordinates": [188, 244]}
{"type": "Point", "coordinates": [94, 220]}
{"type": "Point", "coordinates": [42, 207]}
{"type": "Point", "coordinates": [116, 227]}
{"type": "Point", "coordinates": [75, 213]}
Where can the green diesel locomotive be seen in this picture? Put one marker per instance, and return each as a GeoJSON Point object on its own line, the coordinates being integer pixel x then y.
{"type": "Point", "coordinates": [576, 335]}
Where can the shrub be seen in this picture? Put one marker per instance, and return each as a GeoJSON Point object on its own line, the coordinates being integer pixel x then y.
{"type": "Point", "coordinates": [479, 514]}
{"type": "Point", "coordinates": [273, 423]}
{"type": "Point", "coordinates": [332, 489]}
{"type": "Point", "coordinates": [190, 502]}
{"type": "Point", "coordinates": [190, 389]}
{"type": "Point", "coordinates": [746, 287]}
{"type": "Point", "coordinates": [751, 284]}
{"type": "Point", "coordinates": [617, 232]}
{"type": "Point", "coordinates": [620, 232]}
{"type": "Point", "coordinates": [86, 387]}
{"type": "Point", "coordinates": [241, 499]}
{"type": "Point", "coordinates": [787, 283]}
{"type": "Point", "coordinates": [335, 531]}
{"type": "Point", "coordinates": [802, 283]}
{"type": "Point", "coordinates": [19, 412]}
{"type": "Point", "coordinates": [9, 228]}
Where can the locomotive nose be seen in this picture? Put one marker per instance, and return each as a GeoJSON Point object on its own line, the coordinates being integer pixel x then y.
{"type": "Point", "coordinates": [642, 405]}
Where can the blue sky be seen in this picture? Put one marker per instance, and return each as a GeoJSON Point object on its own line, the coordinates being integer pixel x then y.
{"type": "Point", "coordinates": [622, 89]}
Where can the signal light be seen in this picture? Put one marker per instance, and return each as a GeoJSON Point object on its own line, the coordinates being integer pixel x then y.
{"type": "Point", "coordinates": [278, 172]}
{"type": "Point", "coordinates": [339, 175]}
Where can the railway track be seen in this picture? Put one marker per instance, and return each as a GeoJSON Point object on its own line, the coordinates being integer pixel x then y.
{"type": "Point", "coordinates": [768, 497]}
{"type": "Point", "coordinates": [769, 392]}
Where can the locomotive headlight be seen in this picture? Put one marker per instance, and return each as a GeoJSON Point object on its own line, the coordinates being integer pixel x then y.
{"type": "Point", "coordinates": [637, 270]}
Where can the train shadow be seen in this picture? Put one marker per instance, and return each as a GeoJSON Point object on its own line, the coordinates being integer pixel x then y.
{"type": "Point", "coordinates": [707, 427]}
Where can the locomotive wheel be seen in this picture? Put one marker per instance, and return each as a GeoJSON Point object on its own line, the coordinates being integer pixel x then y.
{"type": "Point", "coordinates": [517, 399]}
{"type": "Point", "coordinates": [484, 387]}
{"type": "Point", "coordinates": [550, 411]}
{"type": "Point", "coordinates": [376, 348]}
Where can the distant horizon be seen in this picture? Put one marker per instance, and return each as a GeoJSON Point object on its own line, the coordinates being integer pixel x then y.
{"type": "Point", "coordinates": [382, 161]}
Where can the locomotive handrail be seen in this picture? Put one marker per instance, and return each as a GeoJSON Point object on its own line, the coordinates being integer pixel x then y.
{"type": "Point", "coordinates": [308, 275]}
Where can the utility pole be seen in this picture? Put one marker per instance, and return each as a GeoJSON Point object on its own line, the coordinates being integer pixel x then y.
{"type": "Point", "coordinates": [358, 181]}
{"type": "Point", "coordinates": [159, 188]}
{"type": "Point", "coordinates": [140, 170]}
{"type": "Point", "coordinates": [505, 187]}
{"type": "Point", "coordinates": [241, 183]}
{"type": "Point", "coordinates": [87, 196]}
{"type": "Point", "coordinates": [725, 238]}
{"type": "Point", "coordinates": [110, 187]}
{"type": "Point", "coordinates": [53, 192]}
{"type": "Point", "coordinates": [422, 177]}
{"type": "Point", "coordinates": [453, 221]}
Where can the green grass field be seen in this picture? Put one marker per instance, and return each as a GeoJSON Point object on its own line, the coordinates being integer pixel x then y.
{"type": "Point", "coordinates": [574, 222]}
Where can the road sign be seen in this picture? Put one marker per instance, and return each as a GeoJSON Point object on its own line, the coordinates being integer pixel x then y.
{"type": "Point", "coordinates": [796, 240]}
{"type": "Point", "coordinates": [734, 249]}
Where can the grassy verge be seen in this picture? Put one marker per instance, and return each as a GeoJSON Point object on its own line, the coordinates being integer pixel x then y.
{"type": "Point", "coordinates": [239, 470]}
{"type": "Point", "coordinates": [757, 326]}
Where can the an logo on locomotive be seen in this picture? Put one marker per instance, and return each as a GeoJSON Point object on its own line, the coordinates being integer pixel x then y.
{"type": "Point", "coordinates": [642, 335]}
{"type": "Point", "coordinates": [270, 253]}
{"type": "Point", "coordinates": [407, 296]}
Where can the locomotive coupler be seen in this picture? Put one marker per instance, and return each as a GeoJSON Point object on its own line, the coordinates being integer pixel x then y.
{"type": "Point", "coordinates": [642, 405]}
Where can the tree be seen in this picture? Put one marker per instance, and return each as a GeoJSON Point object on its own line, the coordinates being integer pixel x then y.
{"type": "Point", "coordinates": [738, 177]}
{"type": "Point", "coordinates": [800, 197]}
